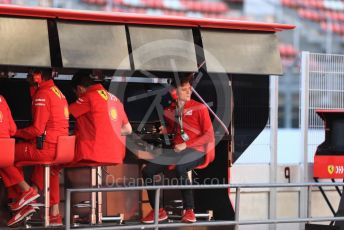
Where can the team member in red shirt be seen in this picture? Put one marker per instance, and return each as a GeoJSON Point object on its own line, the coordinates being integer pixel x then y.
{"type": "Point", "coordinates": [50, 120]}
{"type": "Point", "coordinates": [7, 126]}
{"type": "Point", "coordinates": [101, 122]}
{"type": "Point", "coordinates": [9, 174]}
{"type": "Point", "coordinates": [7, 129]}
{"type": "Point", "coordinates": [189, 120]}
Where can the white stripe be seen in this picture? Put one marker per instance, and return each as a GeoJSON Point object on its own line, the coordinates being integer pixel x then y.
{"type": "Point", "coordinates": [39, 104]}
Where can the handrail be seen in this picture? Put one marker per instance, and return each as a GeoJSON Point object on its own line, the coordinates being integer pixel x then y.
{"type": "Point", "coordinates": [206, 186]}
{"type": "Point", "coordinates": [236, 222]}
{"type": "Point", "coordinates": [214, 223]}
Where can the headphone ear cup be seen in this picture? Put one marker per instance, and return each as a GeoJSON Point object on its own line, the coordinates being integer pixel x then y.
{"type": "Point", "coordinates": [173, 93]}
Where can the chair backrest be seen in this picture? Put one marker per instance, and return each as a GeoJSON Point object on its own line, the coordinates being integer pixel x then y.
{"type": "Point", "coordinates": [6, 152]}
{"type": "Point", "coordinates": [65, 149]}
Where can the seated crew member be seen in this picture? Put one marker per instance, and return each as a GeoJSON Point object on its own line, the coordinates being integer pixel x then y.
{"type": "Point", "coordinates": [50, 120]}
{"type": "Point", "coordinates": [190, 122]}
{"type": "Point", "coordinates": [7, 125]}
{"type": "Point", "coordinates": [7, 129]}
{"type": "Point", "coordinates": [101, 122]}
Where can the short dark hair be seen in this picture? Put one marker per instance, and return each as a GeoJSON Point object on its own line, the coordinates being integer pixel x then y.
{"type": "Point", "coordinates": [82, 78]}
{"type": "Point", "coordinates": [181, 80]}
{"type": "Point", "coordinates": [46, 73]}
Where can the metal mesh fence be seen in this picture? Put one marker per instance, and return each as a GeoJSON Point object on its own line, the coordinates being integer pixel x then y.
{"type": "Point", "coordinates": [325, 91]}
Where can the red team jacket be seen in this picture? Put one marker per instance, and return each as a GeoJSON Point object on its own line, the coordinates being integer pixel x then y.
{"type": "Point", "coordinates": [197, 125]}
{"type": "Point", "coordinates": [7, 126]}
{"type": "Point", "coordinates": [50, 114]}
{"type": "Point", "coordinates": [99, 118]}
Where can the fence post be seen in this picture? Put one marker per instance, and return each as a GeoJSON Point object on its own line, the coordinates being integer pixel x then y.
{"type": "Point", "coordinates": [309, 209]}
{"type": "Point", "coordinates": [304, 102]}
{"type": "Point", "coordinates": [237, 204]}
{"type": "Point", "coordinates": [273, 146]}
{"type": "Point", "coordinates": [68, 209]}
{"type": "Point", "coordinates": [156, 208]}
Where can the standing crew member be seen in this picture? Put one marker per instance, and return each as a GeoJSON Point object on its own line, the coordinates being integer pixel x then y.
{"type": "Point", "coordinates": [101, 122]}
{"type": "Point", "coordinates": [189, 120]}
{"type": "Point", "coordinates": [50, 120]}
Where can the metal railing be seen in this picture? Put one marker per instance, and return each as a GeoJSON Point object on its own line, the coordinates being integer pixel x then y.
{"type": "Point", "coordinates": [236, 222]}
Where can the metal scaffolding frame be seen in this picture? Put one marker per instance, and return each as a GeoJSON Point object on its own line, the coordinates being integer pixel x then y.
{"type": "Point", "coordinates": [236, 222]}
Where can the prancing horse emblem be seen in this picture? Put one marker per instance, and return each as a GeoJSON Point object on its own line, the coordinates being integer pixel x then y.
{"type": "Point", "coordinates": [330, 169]}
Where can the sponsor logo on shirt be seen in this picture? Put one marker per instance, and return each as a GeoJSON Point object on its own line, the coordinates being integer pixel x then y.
{"type": "Point", "coordinates": [39, 104]}
{"type": "Point", "coordinates": [80, 101]}
{"type": "Point", "coordinates": [113, 97]}
{"type": "Point", "coordinates": [188, 113]}
{"type": "Point", "coordinates": [103, 94]}
{"type": "Point", "coordinates": [113, 114]}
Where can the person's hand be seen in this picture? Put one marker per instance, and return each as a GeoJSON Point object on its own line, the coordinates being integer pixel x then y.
{"type": "Point", "coordinates": [180, 147]}
{"type": "Point", "coordinates": [162, 130]}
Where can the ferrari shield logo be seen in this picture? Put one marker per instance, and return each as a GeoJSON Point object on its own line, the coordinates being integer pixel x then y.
{"type": "Point", "coordinates": [103, 94]}
{"type": "Point", "coordinates": [330, 169]}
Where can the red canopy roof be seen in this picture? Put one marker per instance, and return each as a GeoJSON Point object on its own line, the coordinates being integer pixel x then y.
{"type": "Point", "coordinates": [139, 19]}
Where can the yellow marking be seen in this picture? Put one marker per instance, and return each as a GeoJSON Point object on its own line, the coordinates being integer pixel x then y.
{"type": "Point", "coordinates": [56, 91]}
{"type": "Point", "coordinates": [113, 114]}
{"type": "Point", "coordinates": [66, 112]}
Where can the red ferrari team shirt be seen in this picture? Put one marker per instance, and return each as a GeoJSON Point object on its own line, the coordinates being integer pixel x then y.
{"type": "Point", "coordinates": [50, 114]}
{"type": "Point", "coordinates": [99, 118]}
{"type": "Point", "coordinates": [7, 126]}
{"type": "Point", "coordinates": [196, 124]}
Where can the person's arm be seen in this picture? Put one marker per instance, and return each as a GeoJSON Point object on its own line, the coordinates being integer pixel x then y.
{"type": "Point", "coordinates": [80, 107]}
{"type": "Point", "coordinates": [206, 128]}
{"type": "Point", "coordinates": [41, 115]}
{"type": "Point", "coordinates": [126, 128]}
{"type": "Point", "coordinates": [13, 126]}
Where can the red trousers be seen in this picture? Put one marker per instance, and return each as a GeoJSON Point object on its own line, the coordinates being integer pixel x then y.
{"type": "Point", "coordinates": [27, 152]}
